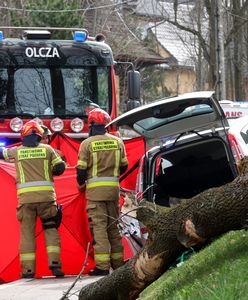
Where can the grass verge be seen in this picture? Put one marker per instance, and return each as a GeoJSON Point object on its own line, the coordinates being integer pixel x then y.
{"type": "Point", "coordinates": [217, 272]}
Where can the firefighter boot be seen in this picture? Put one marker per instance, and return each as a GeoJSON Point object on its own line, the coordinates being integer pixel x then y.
{"type": "Point", "coordinates": [57, 272]}
{"type": "Point", "coordinates": [27, 274]}
{"type": "Point", "coordinates": [98, 272]}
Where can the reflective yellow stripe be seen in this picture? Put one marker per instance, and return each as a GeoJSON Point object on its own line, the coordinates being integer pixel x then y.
{"type": "Point", "coordinates": [53, 249]}
{"type": "Point", "coordinates": [5, 154]}
{"type": "Point", "coordinates": [117, 163]}
{"type": "Point", "coordinates": [34, 189]}
{"type": "Point", "coordinates": [22, 177]}
{"type": "Point", "coordinates": [82, 163]}
{"type": "Point", "coordinates": [94, 166]}
{"type": "Point", "coordinates": [27, 256]}
{"type": "Point", "coordinates": [35, 184]}
{"type": "Point", "coordinates": [102, 257]}
{"type": "Point", "coordinates": [56, 161]}
{"type": "Point", "coordinates": [117, 255]}
{"type": "Point", "coordinates": [46, 172]}
{"type": "Point", "coordinates": [102, 183]}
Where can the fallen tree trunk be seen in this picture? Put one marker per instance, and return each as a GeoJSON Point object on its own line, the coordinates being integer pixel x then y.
{"type": "Point", "coordinates": [195, 221]}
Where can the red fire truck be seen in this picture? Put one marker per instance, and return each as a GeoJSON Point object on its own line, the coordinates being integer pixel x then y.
{"type": "Point", "coordinates": [56, 82]}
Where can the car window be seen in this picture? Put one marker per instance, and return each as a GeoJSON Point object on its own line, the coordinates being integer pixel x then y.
{"type": "Point", "coordinates": [154, 122]}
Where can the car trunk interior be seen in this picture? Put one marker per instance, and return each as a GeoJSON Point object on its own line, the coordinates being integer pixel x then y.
{"type": "Point", "coordinates": [191, 169]}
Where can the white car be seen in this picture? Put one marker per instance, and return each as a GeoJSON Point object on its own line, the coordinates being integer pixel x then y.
{"type": "Point", "coordinates": [238, 136]}
{"type": "Point", "coordinates": [187, 146]}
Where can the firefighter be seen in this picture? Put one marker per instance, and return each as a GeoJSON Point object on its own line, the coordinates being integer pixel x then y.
{"type": "Point", "coordinates": [36, 164]}
{"type": "Point", "coordinates": [101, 160]}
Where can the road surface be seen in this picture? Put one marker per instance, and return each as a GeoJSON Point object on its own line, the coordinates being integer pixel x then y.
{"type": "Point", "coordinates": [47, 288]}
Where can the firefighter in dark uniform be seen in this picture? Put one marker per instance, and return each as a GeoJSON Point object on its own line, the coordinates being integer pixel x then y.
{"type": "Point", "coordinates": [101, 160]}
{"type": "Point", "coordinates": [36, 164]}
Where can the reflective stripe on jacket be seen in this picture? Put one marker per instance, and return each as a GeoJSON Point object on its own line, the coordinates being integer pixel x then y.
{"type": "Point", "coordinates": [34, 176]}
{"type": "Point", "coordinates": [33, 186]}
{"type": "Point", "coordinates": [102, 181]}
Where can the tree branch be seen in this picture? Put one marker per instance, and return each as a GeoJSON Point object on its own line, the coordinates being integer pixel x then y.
{"type": "Point", "coordinates": [202, 41]}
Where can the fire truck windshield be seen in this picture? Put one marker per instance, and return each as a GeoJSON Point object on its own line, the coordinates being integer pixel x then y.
{"type": "Point", "coordinates": [67, 91]}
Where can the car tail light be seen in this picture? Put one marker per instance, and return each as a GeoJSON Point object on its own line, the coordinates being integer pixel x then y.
{"type": "Point", "coordinates": [57, 124]}
{"type": "Point", "coordinates": [237, 151]}
{"type": "Point", "coordinates": [77, 125]}
{"type": "Point", "coordinates": [16, 124]}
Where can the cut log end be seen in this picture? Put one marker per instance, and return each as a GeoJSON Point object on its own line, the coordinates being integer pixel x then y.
{"type": "Point", "coordinates": [188, 235]}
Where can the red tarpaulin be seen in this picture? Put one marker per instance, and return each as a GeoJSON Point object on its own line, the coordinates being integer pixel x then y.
{"type": "Point", "coordinates": [74, 230]}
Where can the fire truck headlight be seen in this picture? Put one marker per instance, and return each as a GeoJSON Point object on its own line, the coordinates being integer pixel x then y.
{"type": "Point", "coordinates": [38, 121]}
{"type": "Point", "coordinates": [57, 124]}
{"type": "Point", "coordinates": [77, 125]}
{"type": "Point", "coordinates": [16, 124]}
{"type": "Point", "coordinates": [80, 36]}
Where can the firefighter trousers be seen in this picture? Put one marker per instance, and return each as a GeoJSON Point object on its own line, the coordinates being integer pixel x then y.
{"type": "Point", "coordinates": [27, 215]}
{"type": "Point", "coordinates": [108, 249]}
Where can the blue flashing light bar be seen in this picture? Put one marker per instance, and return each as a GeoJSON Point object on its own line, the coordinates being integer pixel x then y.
{"type": "Point", "coordinates": [80, 36]}
{"type": "Point", "coordinates": [1, 35]}
{"type": "Point", "coordinates": [2, 144]}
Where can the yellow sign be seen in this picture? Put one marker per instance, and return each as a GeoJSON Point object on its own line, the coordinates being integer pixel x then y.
{"type": "Point", "coordinates": [104, 145]}
{"type": "Point", "coordinates": [31, 153]}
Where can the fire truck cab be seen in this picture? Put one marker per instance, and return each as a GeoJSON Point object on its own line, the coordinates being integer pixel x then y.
{"type": "Point", "coordinates": [56, 82]}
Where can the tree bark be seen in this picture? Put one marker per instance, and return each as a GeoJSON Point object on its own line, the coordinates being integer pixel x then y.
{"type": "Point", "coordinates": [171, 230]}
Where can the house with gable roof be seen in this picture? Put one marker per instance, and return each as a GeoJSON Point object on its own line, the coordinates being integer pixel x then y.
{"type": "Point", "coordinates": [177, 46]}
{"type": "Point", "coordinates": [137, 33]}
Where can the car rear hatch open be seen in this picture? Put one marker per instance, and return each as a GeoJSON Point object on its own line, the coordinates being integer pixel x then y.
{"type": "Point", "coordinates": [189, 134]}
{"type": "Point", "coordinates": [171, 117]}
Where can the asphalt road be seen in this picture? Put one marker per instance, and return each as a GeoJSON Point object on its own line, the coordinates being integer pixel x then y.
{"type": "Point", "coordinates": [48, 288]}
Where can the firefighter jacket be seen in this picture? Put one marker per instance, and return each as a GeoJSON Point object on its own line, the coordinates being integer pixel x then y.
{"type": "Point", "coordinates": [101, 156]}
{"type": "Point", "coordinates": [34, 178]}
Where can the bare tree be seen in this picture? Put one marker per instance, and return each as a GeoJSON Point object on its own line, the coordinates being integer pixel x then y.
{"type": "Point", "coordinates": [211, 25]}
